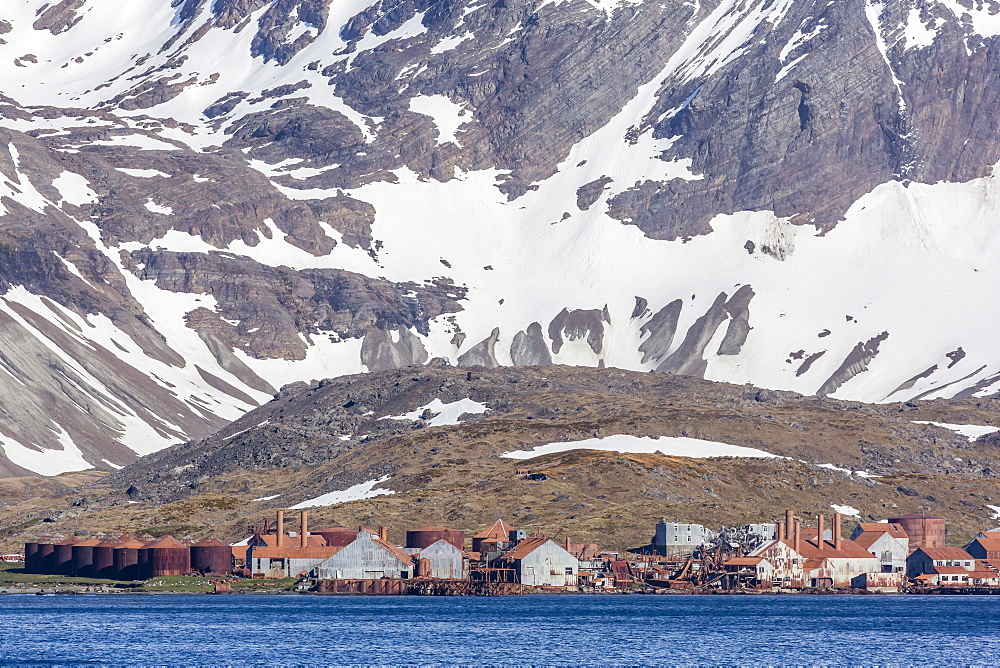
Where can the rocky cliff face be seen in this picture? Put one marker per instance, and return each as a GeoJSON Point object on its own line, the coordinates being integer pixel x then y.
{"type": "Point", "coordinates": [203, 201]}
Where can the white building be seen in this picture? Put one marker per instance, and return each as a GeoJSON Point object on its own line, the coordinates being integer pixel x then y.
{"type": "Point", "coordinates": [367, 558]}
{"type": "Point", "coordinates": [440, 559]}
{"type": "Point", "coordinates": [885, 540]}
{"type": "Point", "coordinates": [541, 562]}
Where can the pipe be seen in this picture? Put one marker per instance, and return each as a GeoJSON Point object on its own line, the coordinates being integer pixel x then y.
{"type": "Point", "coordinates": [797, 537]}
{"type": "Point", "coordinates": [383, 533]}
{"type": "Point", "coordinates": [281, 528]}
{"type": "Point", "coordinates": [304, 533]}
{"type": "Point", "coordinates": [820, 521]}
{"type": "Point", "coordinates": [837, 537]}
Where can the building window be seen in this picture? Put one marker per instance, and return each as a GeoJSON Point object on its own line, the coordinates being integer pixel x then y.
{"type": "Point", "coordinates": [569, 571]}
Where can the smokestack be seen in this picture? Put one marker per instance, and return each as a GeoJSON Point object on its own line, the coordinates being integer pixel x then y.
{"type": "Point", "coordinates": [779, 530]}
{"type": "Point", "coordinates": [281, 528]}
{"type": "Point", "coordinates": [567, 544]}
{"type": "Point", "coordinates": [837, 521]}
{"type": "Point", "coordinates": [304, 537]}
{"type": "Point", "coordinates": [789, 525]}
{"type": "Point", "coordinates": [383, 533]}
{"type": "Point", "coordinates": [797, 537]}
{"type": "Point", "coordinates": [821, 529]}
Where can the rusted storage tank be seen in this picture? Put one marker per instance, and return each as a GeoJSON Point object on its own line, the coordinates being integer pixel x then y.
{"type": "Point", "coordinates": [211, 555]}
{"type": "Point", "coordinates": [31, 557]}
{"type": "Point", "coordinates": [166, 556]}
{"type": "Point", "coordinates": [83, 558]}
{"type": "Point", "coordinates": [427, 536]}
{"type": "Point", "coordinates": [923, 530]}
{"type": "Point", "coordinates": [104, 558]}
{"type": "Point", "coordinates": [337, 536]}
{"type": "Point", "coordinates": [126, 558]}
{"type": "Point", "coordinates": [46, 555]}
{"type": "Point", "coordinates": [64, 556]}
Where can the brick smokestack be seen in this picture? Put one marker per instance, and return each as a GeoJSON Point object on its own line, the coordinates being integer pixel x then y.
{"type": "Point", "coordinates": [383, 533]}
{"type": "Point", "coordinates": [789, 525]}
{"type": "Point", "coordinates": [797, 537]}
{"type": "Point", "coordinates": [779, 530]}
{"type": "Point", "coordinates": [304, 537]}
{"type": "Point", "coordinates": [281, 528]}
{"type": "Point", "coordinates": [837, 521]}
{"type": "Point", "coordinates": [820, 521]}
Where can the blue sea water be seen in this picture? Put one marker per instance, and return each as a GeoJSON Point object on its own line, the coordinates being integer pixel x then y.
{"type": "Point", "coordinates": [518, 630]}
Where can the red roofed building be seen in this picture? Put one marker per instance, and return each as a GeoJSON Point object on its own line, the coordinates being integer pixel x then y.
{"type": "Point", "coordinates": [985, 548]}
{"type": "Point", "coordinates": [799, 562]}
{"type": "Point", "coordinates": [493, 538]}
{"type": "Point", "coordinates": [931, 559]}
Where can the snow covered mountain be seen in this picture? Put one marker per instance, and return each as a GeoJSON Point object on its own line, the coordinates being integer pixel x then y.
{"type": "Point", "coordinates": [204, 200]}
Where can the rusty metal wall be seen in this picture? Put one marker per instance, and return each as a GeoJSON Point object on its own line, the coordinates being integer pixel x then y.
{"type": "Point", "coordinates": [212, 558]}
{"type": "Point", "coordinates": [126, 563]}
{"type": "Point", "coordinates": [421, 538]}
{"type": "Point", "coordinates": [167, 561]}
{"type": "Point", "coordinates": [337, 536]}
{"type": "Point", "coordinates": [923, 531]}
{"type": "Point", "coordinates": [83, 559]}
{"type": "Point", "coordinates": [46, 558]}
{"type": "Point", "coordinates": [104, 561]}
{"type": "Point", "coordinates": [64, 557]}
{"type": "Point", "coordinates": [31, 558]}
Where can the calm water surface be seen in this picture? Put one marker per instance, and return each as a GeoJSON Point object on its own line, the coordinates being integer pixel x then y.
{"type": "Point", "coordinates": [527, 630]}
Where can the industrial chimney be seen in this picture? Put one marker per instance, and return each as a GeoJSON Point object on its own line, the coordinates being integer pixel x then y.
{"type": "Point", "coordinates": [281, 528]}
{"type": "Point", "coordinates": [797, 537]}
{"type": "Point", "coordinates": [383, 533]}
{"type": "Point", "coordinates": [304, 533]}
{"type": "Point", "coordinates": [820, 521]}
{"type": "Point", "coordinates": [837, 521]}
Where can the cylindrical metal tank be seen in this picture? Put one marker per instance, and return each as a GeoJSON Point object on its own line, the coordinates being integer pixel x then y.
{"type": "Point", "coordinates": [923, 530]}
{"type": "Point", "coordinates": [427, 536]}
{"type": "Point", "coordinates": [31, 557]}
{"type": "Point", "coordinates": [166, 556]}
{"type": "Point", "coordinates": [104, 558]}
{"type": "Point", "coordinates": [337, 536]}
{"type": "Point", "coordinates": [211, 555]}
{"type": "Point", "coordinates": [83, 558]}
{"type": "Point", "coordinates": [46, 555]}
{"type": "Point", "coordinates": [64, 556]}
{"type": "Point", "coordinates": [126, 558]}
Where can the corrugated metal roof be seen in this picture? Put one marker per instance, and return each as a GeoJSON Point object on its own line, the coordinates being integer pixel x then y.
{"type": "Point", "coordinates": [393, 550]}
{"type": "Point", "coordinates": [166, 542]}
{"type": "Point", "coordinates": [525, 547]}
{"type": "Point", "coordinates": [744, 561]}
{"type": "Point", "coordinates": [989, 544]}
{"type": "Point", "coordinates": [950, 570]}
{"type": "Point", "coordinates": [946, 553]}
{"type": "Point", "coordinates": [498, 529]}
{"type": "Point", "coordinates": [848, 550]}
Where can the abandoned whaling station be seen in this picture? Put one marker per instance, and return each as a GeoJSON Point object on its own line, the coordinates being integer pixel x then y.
{"type": "Point", "coordinates": [902, 554]}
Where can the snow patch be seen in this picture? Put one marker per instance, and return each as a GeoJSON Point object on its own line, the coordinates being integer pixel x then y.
{"type": "Point", "coordinates": [144, 173]}
{"type": "Point", "coordinates": [445, 414]}
{"type": "Point", "coordinates": [447, 115]}
{"type": "Point", "coordinates": [365, 490]}
{"type": "Point", "coordinates": [157, 208]}
{"type": "Point", "coordinates": [970, 431]}
{"type": "Point", "coordinates": [267, 498]}
{"type": "Point", "coordinates": [846, 510]}
{"type": "Point", "coordinates": [671, 446]}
